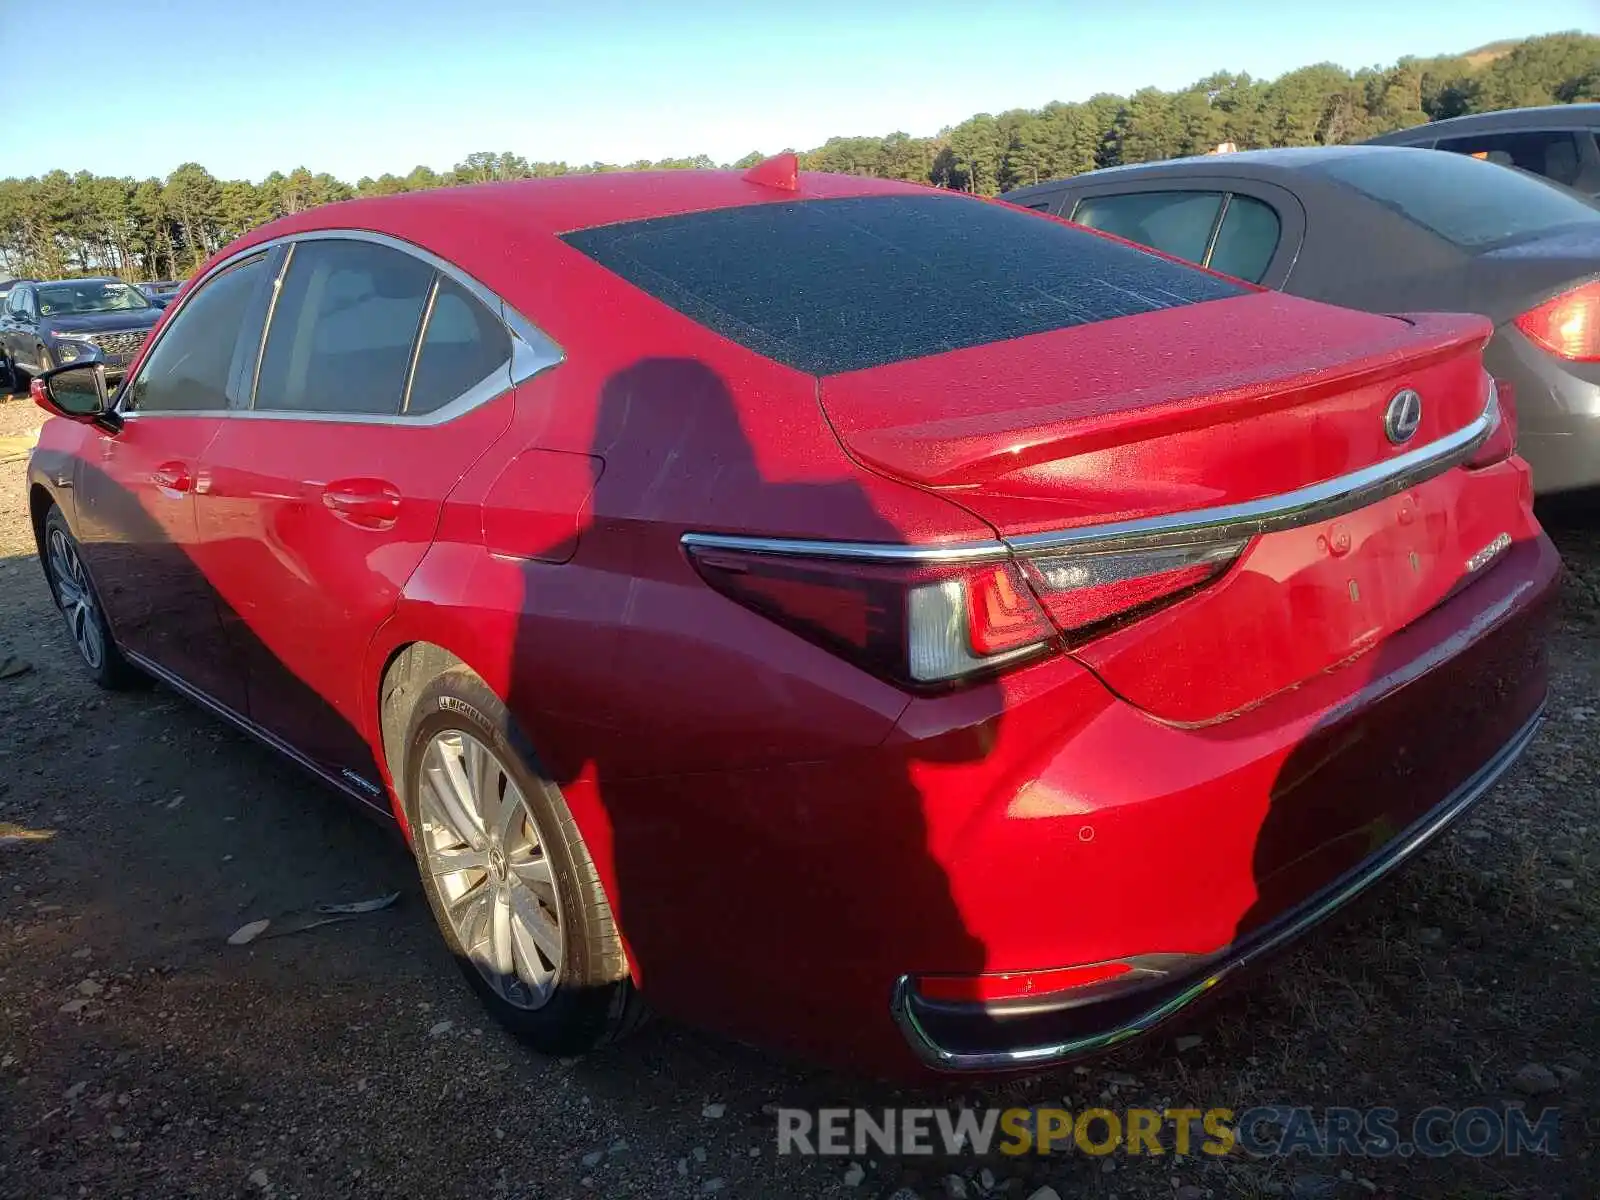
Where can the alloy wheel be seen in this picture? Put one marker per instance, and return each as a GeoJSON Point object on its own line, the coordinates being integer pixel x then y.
{"type": "Point", "coordinates": [488, 864]}
{"type": "Point", "coordinates": [76, 598]}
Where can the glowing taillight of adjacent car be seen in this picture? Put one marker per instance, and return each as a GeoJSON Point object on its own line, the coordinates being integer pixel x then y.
{"type": "Point", "coordinates": [933, 624]}
{"type": "Point", "coordinates": [1568, 325]}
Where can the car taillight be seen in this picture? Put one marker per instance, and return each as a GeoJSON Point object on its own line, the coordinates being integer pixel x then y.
{"type": "Point", "coordinates": [1502, 440]}
{"type": "Point", "coordinates": [1569, 325]}
{"type": "Point", "coordinates": [914, 623]}
{"type": "Point", "coordinates": [1083, 590]}
{"type": "Point", "coordinates": [932, 624]}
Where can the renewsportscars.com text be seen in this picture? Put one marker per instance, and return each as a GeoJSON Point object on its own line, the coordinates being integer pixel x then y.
{"type": "Point", "coordinates": [1266, 1131]}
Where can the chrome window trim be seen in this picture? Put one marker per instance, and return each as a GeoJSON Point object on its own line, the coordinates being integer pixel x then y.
{"type": "Point", "coordinates": [416, 342]}
{"type": "Point", "coordinates": [1303, 506]}
{"type": "Point", "coordinates": [248, 400]}
{"type": "Point", "coordinates": [532, 350]}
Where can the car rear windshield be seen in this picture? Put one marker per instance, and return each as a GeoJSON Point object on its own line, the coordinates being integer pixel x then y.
{"type": "Point", "coordinates": [839, 285]}
{"type": "Point", "coordinates": [1472, 203]}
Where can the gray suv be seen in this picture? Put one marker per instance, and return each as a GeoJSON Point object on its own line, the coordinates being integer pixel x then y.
{"type": "Point", "coordinates": [1557, 141]}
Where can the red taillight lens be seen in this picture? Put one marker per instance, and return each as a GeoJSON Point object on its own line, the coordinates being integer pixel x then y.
{"type": "Point", "coordinates": [1083, 590]}
{"type": "Point", "coordinates": [1567, 326]}
{"type": "Point", "coordinates": [913, 623]}
{"type": "Point", "coordinates": [932, 624]}
{"type": "Point", "coordinates": [1001, 614]}
{"type": "Point", "coordinates": [1502, 440]}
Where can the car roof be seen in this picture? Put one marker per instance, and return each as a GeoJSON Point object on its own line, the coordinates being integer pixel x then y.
{"type": "Point", "coordinates": [79, 279]}
{"type": "Point", "coordinates": [506, 235]}
{"type": "Point", "coordinates": [1264, 165]}
{"type": "Point", "coordinates": [571, 202]}
{"type": "Point", "coordinates": [1548, 116]}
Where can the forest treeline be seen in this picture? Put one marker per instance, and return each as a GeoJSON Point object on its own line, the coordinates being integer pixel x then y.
{"type": "Point", "coordinates": [68, 224]}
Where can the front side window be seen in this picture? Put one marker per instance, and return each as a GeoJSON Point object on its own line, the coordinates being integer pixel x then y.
{"type": "Point", "coordinates": [1246, 240]}
{"type": "Point", "coordinates": [1176, 223]}
{"type": "Point", "coordinates": [1553, 154]}
{"type": "Point", "coordinates": [21, 303]}
{"type": "Point", "coordinates": [187, 369]}
{"type": "Point", "coordinates": [89, 296]}
{"type": "Point", "coordinates": [343, 329]}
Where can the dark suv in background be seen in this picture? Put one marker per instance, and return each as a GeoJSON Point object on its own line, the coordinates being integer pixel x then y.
{"type": "Point", "coordinates": [1557, 141]}
{"type": "Point", "coordinates": [161, 292]}
{"type": "Point", "coordinates": [45, 325]}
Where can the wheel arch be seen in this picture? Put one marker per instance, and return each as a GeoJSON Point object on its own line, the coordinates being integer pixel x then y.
{"type": "Point", "coordinates": [399, 667]}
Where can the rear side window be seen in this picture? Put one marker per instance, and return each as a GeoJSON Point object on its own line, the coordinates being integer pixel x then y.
{"type": "Point", "coordinates": [1176, 223]}
{"type": "Point", "coordinates": [1247, 239]}
{"type": "Point", "coordinates": [343, 329]}
{"type": "Point", "coordinates": [187, 370]}
{"type": "Point", "coordinates": [1553, 154]}
{"type": "Point", "coordinates": [827, 286]}
{"type": "Point", "coordinates": [462, 345]}
{"type": "Point", "coordinates": [1466, 201]}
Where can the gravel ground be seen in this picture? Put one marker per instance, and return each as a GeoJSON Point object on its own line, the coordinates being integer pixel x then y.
{"type": "Point", "coordinates": [142, 1056]}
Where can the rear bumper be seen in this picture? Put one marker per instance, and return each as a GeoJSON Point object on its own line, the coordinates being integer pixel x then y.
{"type": "Point", "coordinates": [1088, 1021]}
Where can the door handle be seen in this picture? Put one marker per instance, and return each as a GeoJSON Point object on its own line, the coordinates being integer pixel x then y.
{"type": "Point", "coordinates": [172, 477]}
{"type": "Point", "coordinates": [364, 503]}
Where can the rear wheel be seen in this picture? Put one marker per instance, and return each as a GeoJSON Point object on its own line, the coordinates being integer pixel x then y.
{"type": "Point", "coordinates": [506, 872]}
{"type": "Point", "coordinates": [75, 596]}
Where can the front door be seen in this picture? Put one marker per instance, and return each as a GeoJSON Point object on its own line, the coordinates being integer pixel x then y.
{"type": "Point", "coordinates": [322, 498]}
{"type": "Point", "coordinates": [136, 490]}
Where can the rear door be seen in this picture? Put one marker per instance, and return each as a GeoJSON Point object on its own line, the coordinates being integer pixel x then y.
{"type": "Point", "coordinates": [376, 389]}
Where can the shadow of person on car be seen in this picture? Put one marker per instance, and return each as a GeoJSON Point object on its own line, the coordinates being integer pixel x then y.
{"type": "Point", "coordinates": [770, 850]}
{"type": "Point", "coordinates": [1398, 743]}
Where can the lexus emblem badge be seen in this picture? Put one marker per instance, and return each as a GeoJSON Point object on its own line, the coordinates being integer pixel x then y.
{"type": "Point", "coordinates": [1403, 416]}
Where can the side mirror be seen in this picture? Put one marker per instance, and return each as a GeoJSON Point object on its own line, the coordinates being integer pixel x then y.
{"type": "Point", "coordinates": [77, 392]}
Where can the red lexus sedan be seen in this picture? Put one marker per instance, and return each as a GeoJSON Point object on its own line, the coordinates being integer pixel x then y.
{"type": "Point", "coordinates": [876, 622]}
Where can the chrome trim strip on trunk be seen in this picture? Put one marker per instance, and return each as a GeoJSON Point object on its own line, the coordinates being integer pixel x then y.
{"type": "Point", "coordinates": [1304, 506]}
{"type": "Point", "coordinates": [956, 552]}
{"type": "Point", "coordinates": [1233, 958]}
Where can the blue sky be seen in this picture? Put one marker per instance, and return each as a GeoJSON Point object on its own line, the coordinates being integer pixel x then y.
{"type": "Point", "coordinates": [359, 87]}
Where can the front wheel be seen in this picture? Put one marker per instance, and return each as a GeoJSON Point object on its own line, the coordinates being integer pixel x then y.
{"type": "Point", "coordinates": [75, 596]}
{"type": "Point", "coordinates": [507, 874]}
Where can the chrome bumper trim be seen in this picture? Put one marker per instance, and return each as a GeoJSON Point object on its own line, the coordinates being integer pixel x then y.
{"type": "Point", "coordinates": [1233, 958]}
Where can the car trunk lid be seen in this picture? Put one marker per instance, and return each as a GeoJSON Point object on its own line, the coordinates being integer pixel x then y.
{"type": "Point", "coordinates": [1182, 428]}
